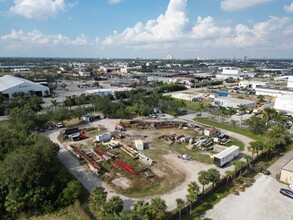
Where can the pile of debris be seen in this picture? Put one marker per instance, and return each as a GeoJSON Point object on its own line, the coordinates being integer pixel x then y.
{"type": "Point", "coordinates": [202, 143]}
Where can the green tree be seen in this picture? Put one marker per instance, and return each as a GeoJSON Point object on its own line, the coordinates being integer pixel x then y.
{"type": "Point", "coordinates": [180, 205]}
{"type": "Point", "coordinates": [54, 104]}
{"type": "Point", "coordinates": [193, 191]}
{"type": "Point", "coordinates": [98, 199]}
{"type": "Point", "coordinates": [242, 108]}
{"type": "Point", "coordinates": [248, 159]}
{"type": "Point", "coordinates": [70, 193]}
{"type": "Point", "coordinates": [268, 114]}
{"type": "Point", "coordinates": [126, 215]}
{"type": "Point", "coordinates": [116, 204]}
{"type": "Point", "coordinates": [260, 98]}
{"type": "Point", "coordinates": [141, 208]}
{"type": "Point", "coordinates": [157, 208]}
{"type": "Point", "coordinates": [79, 112]}
{"type": "Point", "coordinates": [229, 174]}
{"type": "Point", "coordinates": [256, 147]}
{"type": "Point", "coordinates": [230, 111]}
{"type": "Point", "coordinates": [256, 125]}
{"type": "Point", "coordinates": [238, 164]}
{"type": "Point", "coordinates": [61, 114]}
{"type": "Point", "coordinates": [203, 179]}
{"type": "Point", "coordinates": [213, 175]}
{"type": "Point", "coordinates": [69, 102]}
{"type": "Point", "coordinates": [31, 175]}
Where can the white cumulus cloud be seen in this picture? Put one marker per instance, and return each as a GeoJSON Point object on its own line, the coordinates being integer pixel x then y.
{"type": "Point", "coordinates": [38, 9]}
{"type": "Point", "coordinates": [20, 39]}
{"type": "Point", "coordinates": [112, 2]}
{"type": "Point", "coordinates": [167, 27]}
{"type": "Point", "coordinates": [233, 5]}
{"type": "Point", "coordinates": [206, 28]}
{"type": "Point", "coordinates": [289, 8]}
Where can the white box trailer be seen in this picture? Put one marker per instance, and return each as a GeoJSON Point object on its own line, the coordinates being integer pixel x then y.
{"type": "Point", "coordinates": [226, 155]}
{"type": "Point", "coordinates": [104, 137]}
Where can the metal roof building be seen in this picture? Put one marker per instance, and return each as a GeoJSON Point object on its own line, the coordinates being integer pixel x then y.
{"type": "Point", "coordinates": [233, 102]}
{"type": "Point", "coordinates": [10, 85]}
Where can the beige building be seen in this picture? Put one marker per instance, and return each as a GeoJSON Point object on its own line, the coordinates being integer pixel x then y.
{"type": "Point", "coordinates": [287, 173]}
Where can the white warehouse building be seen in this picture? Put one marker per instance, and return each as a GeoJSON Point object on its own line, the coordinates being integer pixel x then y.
{"type": "Point", "coordinates": [233, 102]}
{"type": "Point", "coordinates": [284, 103]}
{"type": "Point", "coordinates": [230, 72]}
{"type": "Point", "coordinates": [290, 82]}
{"type": "Point", "coordinates": [252, 84]}
{"type": "Point", "coordinates": [274, 92]}
{"type": "Point", "coordinates": [10, 85]}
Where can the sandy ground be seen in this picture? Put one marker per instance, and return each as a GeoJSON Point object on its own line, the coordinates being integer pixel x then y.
{"type": "Point", "coordinates": [261, 201]}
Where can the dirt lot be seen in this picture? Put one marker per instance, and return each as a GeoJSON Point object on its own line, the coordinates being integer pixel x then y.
{"type": "Point", "coordinates": [261, 201]}
{"type": "Point", "coordinates": [173, 173]}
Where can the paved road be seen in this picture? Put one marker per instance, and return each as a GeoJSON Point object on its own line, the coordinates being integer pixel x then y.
{"type": "Point", "coordinates": [275, 169]}
{"type": "Point", "coordinates": [260, 201]}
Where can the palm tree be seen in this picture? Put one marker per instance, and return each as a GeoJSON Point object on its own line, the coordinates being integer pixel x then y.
{"type": "Point", "coordinates": [193, 190]}
{"type": "Point", "coordinates": [241, 109]}
{"type": "Point", "coordinates": [210, 107]}
{"type": "Point", "coordinates": [213, 176]}
{"type": "Point", "coordinates": [54, 104]}
{"type": "Point", "coordinates": [260, 98]}
{"type": "Point", "coordinates": [180, 204]}
{"type": "Point", "coordinates": [158, 208]}
{"type": "Point", "coordinates": [201, 107]}
{"type": "Point", "coordinates": [140, 208]}
{"type": "Point", "coordinates": [203, 179]}
{"type": "Point", "coordinates": [116, 204]}
{"type": "Point", "coordinates": [222, 110]}
{"type": "Point", "coordinates": [238, 165]}
{"type": "Point", "coordinates": [268, 114]}
{"type": "Point", "coordinates": [256, 146]}
{"type": "Point", "coordinates": [69, 101]}
{"type": "Point", "coordinates": [229, 174]}
{"type": "Point", "coordinates": [230, 111]}
{"type": "Point", "coordinates": [248, 159]}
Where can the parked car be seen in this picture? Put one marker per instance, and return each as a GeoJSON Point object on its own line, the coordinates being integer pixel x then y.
{"type": "Point", "coordinates": [287, 192]}
{"type": "Point", "coordinates": [60, 125]}
{"type": "Point", "coordinates": [265, 171]}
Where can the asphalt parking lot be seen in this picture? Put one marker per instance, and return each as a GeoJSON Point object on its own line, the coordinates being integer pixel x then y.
{"type": "Point", "coordinates": [260, 201]}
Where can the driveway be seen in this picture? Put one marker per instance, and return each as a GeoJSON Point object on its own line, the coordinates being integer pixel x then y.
{"type": "Point", "coordinates": [260, 201]}
{"type": "Point", "coordinates": [275, 169]}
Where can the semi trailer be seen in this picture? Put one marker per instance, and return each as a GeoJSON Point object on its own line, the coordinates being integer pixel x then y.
{"type": "Point", "coordinates": [226, 156]}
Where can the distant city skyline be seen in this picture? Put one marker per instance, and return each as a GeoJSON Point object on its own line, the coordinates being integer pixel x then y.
{"type": "Point", "coordinates": [185, 29]}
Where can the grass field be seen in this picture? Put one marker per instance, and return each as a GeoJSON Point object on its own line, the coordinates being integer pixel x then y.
{"type": "Point", "coordinates": [228, 128]}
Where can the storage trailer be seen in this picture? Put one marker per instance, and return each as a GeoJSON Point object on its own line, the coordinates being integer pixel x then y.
{"type": "Point", "coordinates": [226, 156]}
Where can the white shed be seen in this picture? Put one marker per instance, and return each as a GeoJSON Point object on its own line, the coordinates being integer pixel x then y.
{"type": "Point", "coordinates": [104, 137]}
{"type": "Point", "coordinates": [210, 131]}
{"type": "Point", "coordinates": [139, 144]}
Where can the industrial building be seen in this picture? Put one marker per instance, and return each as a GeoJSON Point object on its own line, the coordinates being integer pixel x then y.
{"type": "Point", "coordinates": [187, 97]}
{"type": "Point", "coordinates": [284, 103]}
{"type": "Point", "coordinates": [105, 92]}
{"type": "Point", "coordinates": [274, 92]}
{"type": "Point", "coordinates": [290, 82]}
{"type": "Point", "coordinates": [252, 84]}
{"type": "Point", "coordinates": [287, 173]}
{"type": "Point", "coordinates": [233, 102]}
{"type": "Point", "coordinates": [10, 85]}
{"type": "Point", "coordinates": [230, 72]}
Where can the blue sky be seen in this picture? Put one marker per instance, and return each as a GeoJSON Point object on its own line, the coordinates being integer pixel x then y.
{"type": "Point", "coordinates": [147, 28]}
